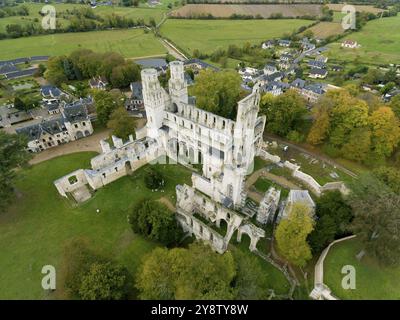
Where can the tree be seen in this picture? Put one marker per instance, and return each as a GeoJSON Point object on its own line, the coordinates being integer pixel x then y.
{"type": "Point", "coordinates": [12, 155]}
{"type": "Point", "coordinates": [104, 281]}
{"type": "Point", "coordinates": [320, 127]}
{"type": "Point", "coordinates": [333, 219]}
{"type": "Point", "coordinates": [55, 70]}
{"type": "Point", "coordinates": [376, 218]}
{"type": "Point", "coordinates": [87, 275]}
{"type": "Point", "coordinates": [193, 273]}
{"type": "Point", "coordinates": [153, 179]}
{"type": "Point", "coordinates": [155, 221]}
{"type": "Point", "coordinates": [385, 131]}
{"type": "Point", "coordinates": [105, 103]}
{"type": "Point", "coordinates": [249, 285]}
{"type": "Point", "coordinates": [19, 104]}
{"type": "Point", "coordinates": [218, 92]}
{"type": "Point", "coordinates": [395, 105]}
{"type": "Point", "coordinates": [389, 176]}
{"type": "Point", "coordinates": [284, 112]}
{"type": "Point", "coordinates": [291, 235]}
{"type": "Point", "coordinates": [121, 123]}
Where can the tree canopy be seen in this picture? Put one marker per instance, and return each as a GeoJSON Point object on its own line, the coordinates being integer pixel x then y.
{"type": "Point", "coordinates": [199, 273]}
{"type": "Point", "coordinates": [291, 235]}
{"type": "Point", "coordinates": [218, 92]}
{"type": "Point", "coordinates": [12, 156]}
{"type": "Point", "coordinates": [121, 123]}
{"type": "Point", "coordinates": [155, 221]}
{"type": "Point", "coordinates": [89, 276]}
{"type": "Point", "coordinates": [284, 113]}
{"type": "Point", "coordinates": [376, 217]}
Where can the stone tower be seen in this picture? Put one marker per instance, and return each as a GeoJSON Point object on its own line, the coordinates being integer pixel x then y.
{"type": "Point", "coordinates": [176, 84]}
{"type": "Point", "coordinates": [154, 101]}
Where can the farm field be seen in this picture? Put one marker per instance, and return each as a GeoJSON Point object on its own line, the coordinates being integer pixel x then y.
{"type": "Point", "coordinates": [130, 43]}
{"type": "Point", "coordinates": [379, 43]}
{"type": "Point", "coordinates": [144, 12]}
{"type": "Point", "coordinates": [373, 281]}
{"type": "Point", "coordinates": [364, 8]}
{"type": "Point", "coordinates": [208, 35]}
{"type": "Point", "coordinates": [226, 10]}
{"type": "Point", "coordinates": [326, 29]}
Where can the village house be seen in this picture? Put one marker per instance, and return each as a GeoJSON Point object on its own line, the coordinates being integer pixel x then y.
{"type": "Point", "coordinates": [284, 43]}
{"type": "Point", "coordinates": [98, 82]}
{"type": "Point", "coordinates": [316, 64]}
{"type": "Point", "coordinates": [350, 44]}
{"type": "Point", "coordinates": [318, 73]}
{"type": "Point", "coordinates": [51, 93]}
{"type": "Point", "coordinates": [268, 44]}
{"type": "Point", "coordinates": [269, 69]}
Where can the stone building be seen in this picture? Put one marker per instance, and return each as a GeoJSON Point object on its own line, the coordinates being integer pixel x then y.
{"type": "Point", "coordinates": [268, 206]}
{"type": "Point", "coordinates": [73, 123]}
{"type": "Point", "coordinates": [186, 134]}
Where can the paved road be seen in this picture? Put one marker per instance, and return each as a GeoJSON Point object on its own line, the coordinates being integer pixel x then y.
{"type": "Point", "coordinates": [315, 155]}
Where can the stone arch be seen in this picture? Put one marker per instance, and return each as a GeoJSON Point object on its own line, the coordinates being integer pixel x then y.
{"type": "Point", "coordinates": [246, 229]}
{"type": "Point", "coordinates": [79, 135]}
{"type": "Point", "coordinates": [128, 167]}
{"type": "Point", "coordinates": [87, 133]}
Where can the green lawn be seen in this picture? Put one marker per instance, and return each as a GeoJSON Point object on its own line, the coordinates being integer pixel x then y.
{"type": "Point", "coordinates": [380, 43]}
{"type": "Point", "coordinates": [373, 281]}
{"type": "Point", "coordinates": [130, 43]}
{"type": "Point", "coordinates": [143, 12]}
{"type": "Point", "coordinates": [276, 279]}
{"type": "Point", "coordinates": [263, 184]}
{"type": "Point", "coordinates": [208, 35]}
{"type": "Point", "coordinates": [34, 230]}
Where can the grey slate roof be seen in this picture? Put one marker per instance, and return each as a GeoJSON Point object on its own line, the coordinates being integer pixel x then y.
{"type": "Point", "coordinates": [75, 112]}
{"type": "Point", "coordinates": [137, 92]}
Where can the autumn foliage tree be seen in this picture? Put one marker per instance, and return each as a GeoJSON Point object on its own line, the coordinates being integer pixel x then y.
{"type": "Point", "coordinates": [291, 235]}
{"type": "Point", "coordinates": [218, 92]}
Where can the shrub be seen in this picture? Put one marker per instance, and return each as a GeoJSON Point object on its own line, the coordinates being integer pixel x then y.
{"type": "Point", "coordinates": [153, 179]}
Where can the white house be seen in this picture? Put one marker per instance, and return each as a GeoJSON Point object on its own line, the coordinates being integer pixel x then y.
{"type": "Point", "coordinates": [350, 44]}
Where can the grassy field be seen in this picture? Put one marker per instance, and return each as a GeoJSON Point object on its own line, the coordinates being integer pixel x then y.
{"type": "Point", "coordinates": [265, 11]}
{"type": "Point", "coordinates": [130, 43]}
{"type": "Point", "coordinates": [208, 35]}
{"type": "Point", "coordinates": [361, 8]}
{"type": "Point", "coordinates": [325, 29]}
{"type": "Point", "coordinates": [373, 281]}
{"type": "Point", "coordinates": [143, 12]}
{"type": "Point", "coordinates": [34, 230]}
{"type": "Point", "coordinates": [379, 43]}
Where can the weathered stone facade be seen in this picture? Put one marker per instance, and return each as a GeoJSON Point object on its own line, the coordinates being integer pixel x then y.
{"type": "Point", "coordinates": [188, 135]}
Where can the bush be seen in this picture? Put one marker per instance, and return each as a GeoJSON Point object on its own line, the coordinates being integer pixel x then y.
{"type": "Point", "coordinates": [156, 222]}
{"type": "Point", "coordinates": [154, 179]}
{"type": "Point", "coordinates": [295, 136]}
{"type": "Point", "coordinates": [87, 275]}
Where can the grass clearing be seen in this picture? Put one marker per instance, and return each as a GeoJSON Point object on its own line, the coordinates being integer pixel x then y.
{"type": "Point", "coordinates": [208, 35]}
{"type": "Point", "coordinates": [379, 44]}
{"type": "Point", "coordinates": [373, 281]}
{"type": "Point", "coordinates": [34, 230]}
{"type": "Point", "coordinates": [131, 43]}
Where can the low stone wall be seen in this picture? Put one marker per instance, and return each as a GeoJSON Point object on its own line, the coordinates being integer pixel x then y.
{"type": "Point", "coordinates": [305, 178]}
{"type": "Point", "coordinates": [321, 291]}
